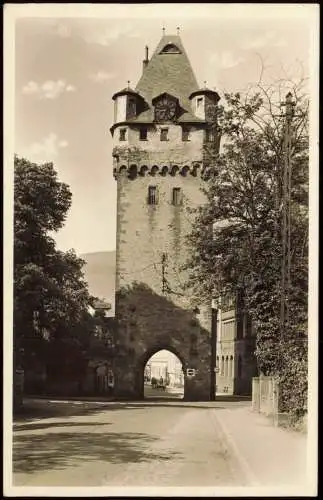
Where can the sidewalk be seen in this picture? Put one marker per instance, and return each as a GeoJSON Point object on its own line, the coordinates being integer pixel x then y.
{"type": "Point", "coordinates": [268, 455]}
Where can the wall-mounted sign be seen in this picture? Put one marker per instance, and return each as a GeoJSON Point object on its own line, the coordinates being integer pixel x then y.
{"type": "Point", "coordinates": [190, 372]}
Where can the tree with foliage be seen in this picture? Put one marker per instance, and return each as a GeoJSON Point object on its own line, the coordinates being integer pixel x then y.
{"type": "Point", "coordinates": [51, 297]}
{"type": "Point", "coordinates": [237, 235]}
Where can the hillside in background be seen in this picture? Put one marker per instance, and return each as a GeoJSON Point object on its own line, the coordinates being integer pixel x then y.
{"type": "Point", "coordinates": [99, 272]}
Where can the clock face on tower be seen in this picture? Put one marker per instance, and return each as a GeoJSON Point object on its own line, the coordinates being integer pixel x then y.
{"type": "Point", "coordinates": [165, 109]}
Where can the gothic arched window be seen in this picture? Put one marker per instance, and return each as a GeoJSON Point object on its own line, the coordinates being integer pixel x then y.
{"type": "Point", "coordinates": [222, 365]}
{"type": "Point", "coordinates": [231, 367]}
{"type": "Point", "coordinates": [226, 366]}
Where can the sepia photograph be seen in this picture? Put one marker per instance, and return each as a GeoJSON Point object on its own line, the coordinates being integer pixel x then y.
{"type": "Point", "coordinates": [160, 249]}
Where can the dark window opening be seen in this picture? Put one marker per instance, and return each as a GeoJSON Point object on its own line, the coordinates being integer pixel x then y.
{"type": "Point", "coordinates": [199, 102]}
{"type": "Point", "coordinates": [170, 48]}
{"type": "Point", "coordinates": [164, 134]}
{"type": "Point", "coordinates": [209, 135]}
{"type": "Point", "coordinates": [143, 134]}
{"type": "Point", "coordinates": [132, 107]}
{"type": "Point", "coordinates": [185, 134]}
{"type": "Point", "coordinates": [152, 195]}
{"type": "Point", "coordinates": [177, 196]}
{"type": "Point", "coordinates": [122, 135]}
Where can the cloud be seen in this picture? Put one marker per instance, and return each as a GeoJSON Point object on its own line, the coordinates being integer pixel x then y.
{"type": "Point", "coordinates": [46, 150]}
{"type": "Point", "coordinates": [269, 38]}
{"type": "Point", "coordinates": [109, 35]}
{"type": "Point", "coordinates": [63, 144]}
{"type": "Point", "coordinates": [225, 60]}
{"type": "Point", "coordinates": [101, 76]}
{"type": "Point", "coordinates": [47, 90]}
{"type": "Point", "coordinates": [63, 30]}
{"type": "Point", "coordinates": [70, 88]}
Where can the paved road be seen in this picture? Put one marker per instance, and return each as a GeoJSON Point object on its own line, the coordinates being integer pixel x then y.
{"type": "Point", "coordinates": [160, 443]}
{"type": "Point", "coordinates": [169, 392]}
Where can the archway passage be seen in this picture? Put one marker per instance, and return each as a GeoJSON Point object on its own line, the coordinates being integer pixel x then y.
{"type": "Point", "coordinates": [163, 376]}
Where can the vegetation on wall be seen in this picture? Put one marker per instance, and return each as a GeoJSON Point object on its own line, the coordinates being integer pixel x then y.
{"type": "Point", "coordinates": [237, 235]}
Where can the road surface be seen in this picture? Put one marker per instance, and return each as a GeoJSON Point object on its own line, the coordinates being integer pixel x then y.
{"type": "Point", "coordinates": [149, 443]}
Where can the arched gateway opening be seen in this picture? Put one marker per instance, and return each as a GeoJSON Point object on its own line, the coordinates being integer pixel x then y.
{"type": "Point", "coordinates": [163, 376]}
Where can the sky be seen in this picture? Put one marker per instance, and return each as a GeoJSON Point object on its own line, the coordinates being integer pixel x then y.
{"type": "Point", "coordinates": [68, 68]}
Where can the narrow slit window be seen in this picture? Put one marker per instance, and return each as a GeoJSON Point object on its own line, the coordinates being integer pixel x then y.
{"type": "Point", "coordinates": [164, 134]}
{"type": "Point", "coordinates": [231, 367]}
{"type": "Point", "coordinates": [122, 134]}
{"type": "Point", "coordinates": [199, 102]}
{"type": "Point", "coordinates": [143, 134]}
{"type": "Point", "coordinates": [185, 134]}
{"type": "Point", "coordinates": [222, 366]}
{"type": "Point", "coordinates": [152, 195]}
{"type": "Point", "coordinates": [132, 107]}
{"type": "Point", "coordinates": [177, 197]}
{"type": "Point", "coordinates": [110, 378]}
{"type": "Point", "coordinates": [209, 136]}
{"type": "Point", "coordinates": [226, 363]}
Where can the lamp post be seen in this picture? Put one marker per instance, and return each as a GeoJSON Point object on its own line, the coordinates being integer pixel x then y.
{"type": "Point", "coordinates": [286, 214]}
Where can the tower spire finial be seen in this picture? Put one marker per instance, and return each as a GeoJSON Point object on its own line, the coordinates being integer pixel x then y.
{"type": "Point", "coordinates": [177, 29]}
{"type": "Point", "coordinates": [163, 29]}
{"type": "Point", "coordinates": [205, 84]}
{"type": "Point", "coordinates": [128, 83]}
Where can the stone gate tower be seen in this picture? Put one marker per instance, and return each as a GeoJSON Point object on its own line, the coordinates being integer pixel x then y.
{"type": "Point", "coordinates": [158, 132]}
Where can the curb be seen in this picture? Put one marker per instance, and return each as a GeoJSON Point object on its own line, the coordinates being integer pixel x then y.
{"type": "Point", "coordinates": [244, 466]}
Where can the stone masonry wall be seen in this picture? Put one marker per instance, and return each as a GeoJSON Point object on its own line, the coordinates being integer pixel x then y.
{"type": "Point", "coordinates": [150, 319]}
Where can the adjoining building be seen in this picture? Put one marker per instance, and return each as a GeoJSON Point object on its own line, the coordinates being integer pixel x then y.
{"type": "Point", "coordinates": [235, 359]}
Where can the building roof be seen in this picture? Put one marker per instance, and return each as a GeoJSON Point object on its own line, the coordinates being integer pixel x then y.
{"type": "Point", "coordinates": [205, 90]}
{"type": "Point", "coordinates": [126, 90]}
{"type": "Point", "coordinates": [169, 72]}
{"type": "Point", "coordinates": [101, 304]}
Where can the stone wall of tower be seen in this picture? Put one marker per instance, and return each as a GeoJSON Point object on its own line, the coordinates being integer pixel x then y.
{"type": "Point", "coordinates": [149, 317]}
{"type": "Point", "coordinates": [148, 231]}
{"type": "Point", "coordinates": [153, 151]}
{"type": "Point", "coordinates": [145, 231]}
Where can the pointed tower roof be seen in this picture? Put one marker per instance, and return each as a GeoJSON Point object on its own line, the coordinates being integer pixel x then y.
{"type": "Point", "coordinates": [169, 70]}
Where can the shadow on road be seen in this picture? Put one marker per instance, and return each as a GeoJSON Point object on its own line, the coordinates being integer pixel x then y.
{"type": "Point", "coordinates": [168, 403]}
{"type": "Point", "coordinates": [59, 450]}
{"type": "Point", "coordinates": [36, 426]}
{"type": "Point", "coordinates": [231, 399]}
{"type": "Point", "coordinates": [63, 443]}
{"type": "Point", "coordinates": [43, 409]}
